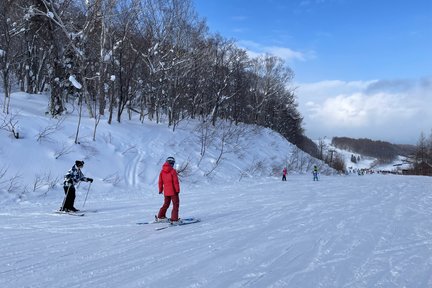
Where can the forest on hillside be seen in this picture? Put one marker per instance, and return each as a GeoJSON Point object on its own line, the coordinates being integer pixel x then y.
{"type": "Point", "coordinates": [152, 58]}
{"type": "Point", "coordinates": [382, 150]}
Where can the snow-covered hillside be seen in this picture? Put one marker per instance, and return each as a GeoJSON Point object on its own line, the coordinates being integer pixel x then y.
{"type": "Point", "coordinates": [256, 231]}
{"type": "Point", "coordinates": [363, 162]}
{"type": "Point", "coordinates": [126, 157]}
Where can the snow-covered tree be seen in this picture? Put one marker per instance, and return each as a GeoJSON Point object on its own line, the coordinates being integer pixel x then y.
{"type": "Point", "coordinates": [11, 30]}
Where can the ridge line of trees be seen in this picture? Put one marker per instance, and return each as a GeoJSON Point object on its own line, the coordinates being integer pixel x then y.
{"type": "Point", "coordinates": [386, 152]}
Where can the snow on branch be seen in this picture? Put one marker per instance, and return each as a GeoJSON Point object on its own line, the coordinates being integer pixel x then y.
{"type": "Point", "coordinates": [74, 82]}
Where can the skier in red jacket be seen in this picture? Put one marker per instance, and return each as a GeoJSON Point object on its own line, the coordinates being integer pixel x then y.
{"type": "Point", "coordinates": [169, 185]}
{"type": "Point", "coordinates": [284, 173]}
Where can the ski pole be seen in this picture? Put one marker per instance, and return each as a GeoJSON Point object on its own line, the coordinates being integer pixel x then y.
{"type": "Point", "coordinates": [64, 200]}
{"type": "Point", "coordinates": [88, 189]}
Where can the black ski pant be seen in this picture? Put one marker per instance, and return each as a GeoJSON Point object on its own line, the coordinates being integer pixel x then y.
{"type": "Point", "coordinates": [70, 197]}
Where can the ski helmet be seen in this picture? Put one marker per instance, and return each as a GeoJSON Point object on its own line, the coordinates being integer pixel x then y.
{"type": "Point", "coordinates": [170, 160]}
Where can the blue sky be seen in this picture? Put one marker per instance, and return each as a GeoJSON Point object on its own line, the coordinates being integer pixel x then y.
{"type": "Point", "coordinates": [368, 64]}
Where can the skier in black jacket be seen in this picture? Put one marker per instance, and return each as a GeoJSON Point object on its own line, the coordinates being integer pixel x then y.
{"type": "Point", "coordinates": [73, 177]}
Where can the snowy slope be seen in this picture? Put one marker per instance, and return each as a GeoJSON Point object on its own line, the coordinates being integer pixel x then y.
{"type": "Point", "coordinates": [256, 231]}
{"type": "Point", "coordinates": [371, 231]}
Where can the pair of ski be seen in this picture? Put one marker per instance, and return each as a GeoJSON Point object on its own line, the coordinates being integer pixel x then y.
{"type": "Point", "coordinates": [181, 222]}
{"type": "Point", "coordinates": [78, 213]}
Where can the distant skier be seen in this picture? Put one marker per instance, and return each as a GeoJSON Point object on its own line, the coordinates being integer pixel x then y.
{"type": "Point", "coordinates": [169, 185]}
{"type": "Point", "coordinates": [284, 173]}
{"type": "Point", "coordinates": [73, 177]}
{"type": "Point", "coordinates": [315, 173]}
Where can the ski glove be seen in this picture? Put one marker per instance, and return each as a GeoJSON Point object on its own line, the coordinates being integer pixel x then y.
{"type": "Point", "coordinates": [90, 180]}
{"type": "Point", "coordinates": [160, 192]}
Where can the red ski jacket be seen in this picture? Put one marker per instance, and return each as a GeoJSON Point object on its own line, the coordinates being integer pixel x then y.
{"type": "Point", "coordinates": [168, 180]}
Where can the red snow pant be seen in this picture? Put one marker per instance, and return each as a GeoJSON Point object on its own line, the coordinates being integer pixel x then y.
{"type": "Point", "coordinates": [175, 211]}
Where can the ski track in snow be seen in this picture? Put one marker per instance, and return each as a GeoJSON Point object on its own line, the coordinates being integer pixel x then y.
{"type": "Point", "coordinates": [133, 167]}
{"type": "Point", "coordinates": [368, 231]}
{"type": "Point", "coordinates": [137, 168]}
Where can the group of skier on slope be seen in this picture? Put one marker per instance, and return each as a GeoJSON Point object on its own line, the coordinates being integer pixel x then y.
{"type": "Point", "coordinates": [314, 173]}
{"type": "Point", "coordinates": [168, 184]}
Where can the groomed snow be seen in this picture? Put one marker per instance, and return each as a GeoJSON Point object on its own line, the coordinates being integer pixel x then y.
{"type": "Point", "coordinates": [357, 231]}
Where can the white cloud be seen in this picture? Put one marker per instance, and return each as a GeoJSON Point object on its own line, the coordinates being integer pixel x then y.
{"type": "Point", "coordinates": [395, 111]}
{"type": "Point", "coordinates": [341, 111]}
{"type": "Point", "coordinates": [361, 110]}
{"type": "Point", "coordinates": [255, 49]}
{"type": "Point", "coordinates": [285, 53]}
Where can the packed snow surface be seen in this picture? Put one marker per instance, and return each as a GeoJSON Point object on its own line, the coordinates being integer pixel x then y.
{"type": "Point", "coordinates": [342, 231]}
